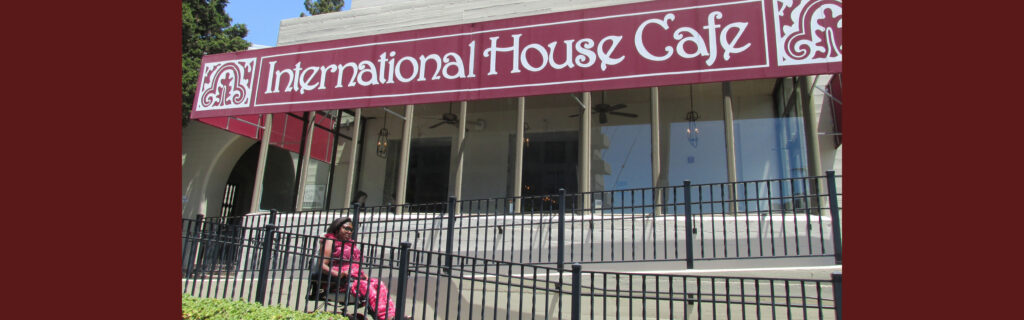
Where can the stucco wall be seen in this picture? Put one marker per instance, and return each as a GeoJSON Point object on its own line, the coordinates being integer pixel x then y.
{"type": "Point", "coordinates": [207, 156]}
{"type": "Point", "coordinates": [379, 17]}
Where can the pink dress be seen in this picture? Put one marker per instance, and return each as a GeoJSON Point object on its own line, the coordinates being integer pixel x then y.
{"type": "Point", "coordinates": [376, 293]}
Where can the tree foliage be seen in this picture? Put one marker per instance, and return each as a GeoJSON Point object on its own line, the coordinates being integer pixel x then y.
{"type": "Point", "coordinates": [322, 6]}
{"type": "Point", "coordinates": [205, 29]}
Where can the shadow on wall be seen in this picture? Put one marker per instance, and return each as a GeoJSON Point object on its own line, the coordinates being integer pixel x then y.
{"type": "Point", "coordinates": [278, 181]}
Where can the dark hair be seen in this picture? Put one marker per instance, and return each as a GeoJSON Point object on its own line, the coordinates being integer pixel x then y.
{"type": "Point", "coordinates": [359, 194]}
{"type": "Point", "coordinates": [333, 229]}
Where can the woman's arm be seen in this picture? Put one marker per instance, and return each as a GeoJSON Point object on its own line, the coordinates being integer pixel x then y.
{"type": "Point", "coordinates": [325, 263]}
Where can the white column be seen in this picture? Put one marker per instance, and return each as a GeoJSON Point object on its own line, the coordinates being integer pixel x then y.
{"type": "Point", "coordinates": [403, 160]}
{"type": "Point", "coordinates": [350, 178]}
{"type": "Point", "coordinates": [517, 184]}
{"type": "Point", "coordinates": [304, 166]}
{"type": "Point", "coordinates": [585, 158]}
{"type": "Point", "coordinates": [810, 128]}
{"type": "Point", "coordinates": [730, 142]}
{"type": "Point", "coordinates": [460, 151]}
{"type": "Point", "coordinates": [261, 164]}
{"type": "Point", "coordinates": [811, 137]}
{"type": "Point", "coordinates": [656, 149]}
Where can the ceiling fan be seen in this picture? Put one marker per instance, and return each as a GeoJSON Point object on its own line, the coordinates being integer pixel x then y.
{"type": "Point", "coordinates": [453, 119]}
{"type": "Point", "coordinates": [603, 109]}
{"type": "Point", "coordinates": [448, 118]}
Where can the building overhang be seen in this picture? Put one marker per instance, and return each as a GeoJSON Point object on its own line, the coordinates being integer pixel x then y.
{"type": "Point", "coordinates": [643, 44]}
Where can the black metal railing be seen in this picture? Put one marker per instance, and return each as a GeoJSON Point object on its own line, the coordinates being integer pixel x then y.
{"type": "Point", "coordinates": [428, 284]}
{"type": "Point", "coordinates": [777, 218]}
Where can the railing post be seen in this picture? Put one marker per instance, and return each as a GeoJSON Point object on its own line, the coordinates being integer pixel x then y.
{"type": "Point", "coordinates": [837, 293]}
{"type": "Point", "coordinates": [561, 229]}
{"type": "Point", "coordinates": [403, 270]}
{"type": "Point", "coordinates": [273, 217]}
{"type": "Point", "coordinates": [450, 240]}
{"type": "Point", "coordinates": [355, 218]}
{"type": "Point", "coordinates": [197, 232]}
{"type": "Point", "coordinates": [833, 205]}
{"type": "Point", "coordinates": [577, 285]}
{"type": "Point", "coordinates": [268, 243]}
{"type": "Point", "coordinates": [689, 224]}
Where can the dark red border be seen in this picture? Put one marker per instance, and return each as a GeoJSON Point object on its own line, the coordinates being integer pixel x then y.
{"type": "Point", "coordinates": [93, 204]}
{"type": "Point", "coordinates": [931, 209]}
{"type": "Point", "coordinates": [92, 116]}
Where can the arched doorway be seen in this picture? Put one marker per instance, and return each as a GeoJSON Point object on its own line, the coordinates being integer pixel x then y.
{"type": "Point", "coordinates": [278, 181]}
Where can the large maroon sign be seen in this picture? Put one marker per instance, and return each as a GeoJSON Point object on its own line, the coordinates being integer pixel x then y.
{"type": "Point", "coordinates": [635, 45]}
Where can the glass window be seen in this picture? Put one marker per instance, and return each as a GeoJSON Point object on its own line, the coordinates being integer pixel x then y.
{"type": "Point", "coordinates": [692, 134]}
{"type": "Point", "coordinates": [341, 154]}
{"type": "Point", "coordinates": [550, 146]}
{"type": "Point", "coordinates": [489, 153]}
{"type": "Point", "coordinates": [620, 155]}
{"type": "Point", "coordinates": [434, 128]}
{"type": "Point", "coordinates": [769, 131]}
{"type": "Point", "coordinates": [621, 140]}
{"type": "Point", "coordinates": [378, 171]}
{"type": "Point", "coordinates": [770, 141]}
{"type": "Point", "coordinates": [322, 153]}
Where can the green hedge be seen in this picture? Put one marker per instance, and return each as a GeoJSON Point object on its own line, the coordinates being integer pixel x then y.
{"type": "Point", "coordinates": [193, 308]}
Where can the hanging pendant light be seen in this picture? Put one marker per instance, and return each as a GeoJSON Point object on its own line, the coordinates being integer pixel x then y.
{"type": "Point", "coordinates": [692, 132]}
{"type": "Point", "coordinates": [382, 139]}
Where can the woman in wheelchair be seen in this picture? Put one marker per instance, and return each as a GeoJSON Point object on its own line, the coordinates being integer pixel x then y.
{"type": "Point", "coordinates": [339, 267]}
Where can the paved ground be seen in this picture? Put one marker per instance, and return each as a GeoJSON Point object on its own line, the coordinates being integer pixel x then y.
{"type": "Point", "coordinates": [495, 295]}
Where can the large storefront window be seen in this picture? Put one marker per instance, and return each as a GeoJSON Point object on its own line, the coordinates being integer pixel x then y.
{"type": "Point", "coordinates": [318, 187]}
{"type": "Point", "coordinates": [488, 155]}
{"type": "Point", "coordinates": [550, 146]}
{"type": "Point", "coordinates": [620, 155]}
{"type": "Point", "coordinates": [769, 136]}
{"type": "Point", "coordinates": [341, 155]}
{"type": "Point", "coordinates": [434, 128]}
{"type": "Point", "coordinates": [379, 170]}
{"type": "Point", "coordinates": [693, 147]}
{"type": "Point", "coordinates": [770, 140]}
{"type": "Point", "coordinates": [621, 140]}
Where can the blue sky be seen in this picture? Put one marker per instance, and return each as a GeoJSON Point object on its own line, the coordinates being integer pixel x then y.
{"type": "Point", "coordinates": [263, 17]}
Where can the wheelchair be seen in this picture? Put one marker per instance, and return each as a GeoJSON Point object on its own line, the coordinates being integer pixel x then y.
{"type": "Point", "coordinates": [331, 293]}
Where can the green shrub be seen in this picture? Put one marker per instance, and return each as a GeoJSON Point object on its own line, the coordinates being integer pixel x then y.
{"type": "Point", "coordinates": [193, 308]}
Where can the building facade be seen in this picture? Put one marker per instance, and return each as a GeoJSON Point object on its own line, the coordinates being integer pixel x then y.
{"type": "Point", "coordinates": [624, 138]}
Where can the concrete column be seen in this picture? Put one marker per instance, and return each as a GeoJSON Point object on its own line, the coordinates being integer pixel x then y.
{"type": "Point", "coordinates": [585, 158]}
{"type": "Point", "coordinates": [517, 182]}
{"type": "Point", "coordinates": [403, 160]}
{"type": "Point", "coordinates": [656, 149]}
{"type": "Point", "coordinates": [730, 142]}
{"type": "Point", "coordinates": [803, 91]}
{"type": "Point", "coordinates": [350, 177]}
{"type": "Point", "coordinates": [304, 166]}
{"type": "Point", "coordinates": [460, 153]}
{"type": "Point", "coordinates": [261, 164]}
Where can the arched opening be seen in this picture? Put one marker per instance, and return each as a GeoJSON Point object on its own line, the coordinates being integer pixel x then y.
{"type": "Point", "coordinates": [278, 181]}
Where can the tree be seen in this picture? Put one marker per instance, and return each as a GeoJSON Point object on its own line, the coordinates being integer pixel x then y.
{"type": "Point", "coordinates": [322, 6]}
{"type": "Point", "coordinates": [205, 29]}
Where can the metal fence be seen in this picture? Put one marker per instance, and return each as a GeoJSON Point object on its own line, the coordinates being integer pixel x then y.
{"type": "Point", "coordinates": [777, 218]}
{"type": "Point", "coordinates": [276, 266]}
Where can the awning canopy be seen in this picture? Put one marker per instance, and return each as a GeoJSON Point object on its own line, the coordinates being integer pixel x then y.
{"type": "Point", "coordinates": [645, 44]}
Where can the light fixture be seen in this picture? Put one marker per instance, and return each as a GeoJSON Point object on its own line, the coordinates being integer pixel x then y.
{"type": "Point", "coordinates": [382, 139]}
{"type": "Point", "coordinates": [692, 132]}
